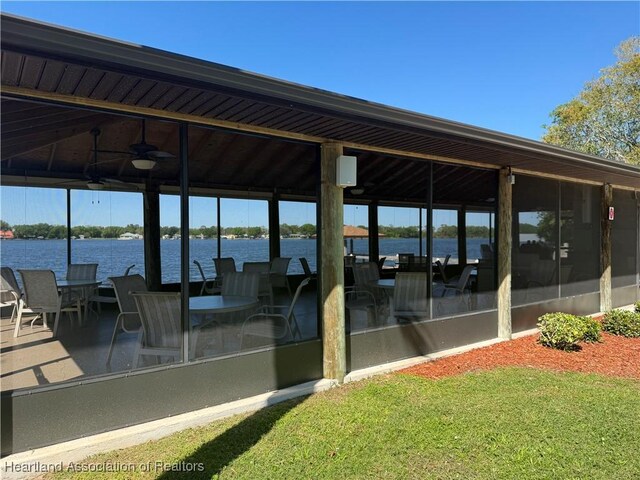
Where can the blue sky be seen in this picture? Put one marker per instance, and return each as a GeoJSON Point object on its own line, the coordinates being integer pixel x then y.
{"type": "Point", "coordinates": [503, 66]}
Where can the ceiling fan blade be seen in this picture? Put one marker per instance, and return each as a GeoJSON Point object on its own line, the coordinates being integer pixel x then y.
{"type": "Point", "coordinates": [160, 154]}
{"type": "Point", "coordinates": [113, 160]}
{"type": "Point", "coordinates": [122, 152]}
{"type": "Point", "coordinates": [115, 181]}
{"type": "Point", "coordinates": [67, 182]}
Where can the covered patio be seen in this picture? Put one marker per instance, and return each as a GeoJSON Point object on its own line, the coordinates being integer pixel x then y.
{"type": "Point", "coordinates": [470, 234]}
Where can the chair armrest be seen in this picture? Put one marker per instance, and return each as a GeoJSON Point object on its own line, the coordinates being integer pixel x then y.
{"type": "Point", "coordinates": [123, 315]}
{"type": "Point", "coordinates": [262, 316]}
{"type": "Point", "coordinates": [13, 293]}
{"type": "Point", "coordinates": [356, 292]}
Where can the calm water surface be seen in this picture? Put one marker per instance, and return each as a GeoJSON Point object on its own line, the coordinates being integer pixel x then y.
{"type": "Point", "coordinates": [114, 256]}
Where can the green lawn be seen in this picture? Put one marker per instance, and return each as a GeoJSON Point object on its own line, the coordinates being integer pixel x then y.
{"type": "Point", "coordinates": [507, 423]}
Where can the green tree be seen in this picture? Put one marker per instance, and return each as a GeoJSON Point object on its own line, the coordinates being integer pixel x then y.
{"type": "Point", "coordinates": [285, 229]}
{"type": "Point", "coordinates": [528, 228]}
{"type": "Point", "coordinates": [4, 225]}
{"type": "Point", "coordinates": [446, 231]}
{"type": "Point", "coordinates": [547, 227]}
{"type": "Point", "coordinates": [112, 232]}
{"type": "Point", "coordinates": [254, 232]}
{"type": "Point", "coordinates": [308, 229]}
{"type": "Point", "coordinates": [604, 118]}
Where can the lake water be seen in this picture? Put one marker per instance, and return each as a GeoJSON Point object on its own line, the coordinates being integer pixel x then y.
{"type": "Point", "coordinates": [114, 256]}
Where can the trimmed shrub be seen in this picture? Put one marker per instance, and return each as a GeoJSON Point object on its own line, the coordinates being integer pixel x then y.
{"type": "Point", "coordinates": [593, 329]}
{"type": "Point", "coordinates": [638, 307]}
{"type": "Point", "coordinates": [561, 330]}
{"type": "Point", "coordinates": [622, 322]}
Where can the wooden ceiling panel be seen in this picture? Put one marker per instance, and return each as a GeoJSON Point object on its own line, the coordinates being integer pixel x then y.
{"type": "Point", "coordinates": [51, 76]}
{"type": "Point", "coordinates": [11, 68]}
{"type": "Point", "coordinates": [31, 72]}
{"type": "Point", "coordinates": [89, 82]}
{"type": "Point", "coordinates": [168, 97]}
{"type": "Point", "coordinates": [106, 85]}
{"type": "Point", "coordinates": [180, 101]}
{"type": "Point", "coordinates": [139, 90]}
{"type": "Point", "coordinates": [121, 89]}
{"type": "Point", "coordinates": [70, 79]}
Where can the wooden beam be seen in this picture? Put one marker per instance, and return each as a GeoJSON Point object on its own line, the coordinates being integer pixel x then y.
{"type": "Point", "coordinates": [195, 119]}
{"type": "Point", "coordinates": [555, 177]}
{"type": "Point", "coordinates": [331, 269]}
{"type": "Point", "coordinates": [605, 248]}
{"type": "Point", "coordinates": [505, 219]}
{"type": "Point", "coordinates": [152, 258]}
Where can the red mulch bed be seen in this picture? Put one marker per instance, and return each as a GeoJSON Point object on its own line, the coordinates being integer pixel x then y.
{"type": "Point", "coordinates": [615, 356]}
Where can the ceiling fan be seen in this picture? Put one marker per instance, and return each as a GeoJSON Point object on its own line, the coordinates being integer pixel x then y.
{"type": "Point", "coordinates": [145, 156]}
{"type": "Point", "coordinates": [360, 189]}
{"type": "Point", "coordinates": [95, 181]}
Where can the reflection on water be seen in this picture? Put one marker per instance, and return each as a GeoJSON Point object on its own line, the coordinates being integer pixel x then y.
{"type": "Point", "coordinates": [114, 256]}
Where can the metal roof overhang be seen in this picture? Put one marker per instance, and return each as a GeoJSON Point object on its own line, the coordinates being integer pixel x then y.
{"type": "Point", "coordinates": [41, 61]}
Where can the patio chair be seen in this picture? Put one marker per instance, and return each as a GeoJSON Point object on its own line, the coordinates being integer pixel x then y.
{"type": "Point", "coordinates": [161, 332]}
{"type": "Point", "coordinates": [265, 292]}
{"type": "Point", "coordinates": [305, 267]}
{"type": "Point", "coordinates": [278, 273]}
{"type": "Point", "coordinates": [486, 252]}
{"type": "Point", "coordinates": [82, 271]}
{"type": "Point", "coordinates": [98, 299]}
{"type": "Point", "coordinates": [361, 301]}
{"type": "Point", "coordinates": [443, 275]}
{"type": "Point", "coordinates": [223, 266]}
{"type": "Point", "coordinates": [241, 284]}
{"type": "Point", "coordinates": [272, 322]}
{"type": "Point", "coordinates": [10, 296]}
{"type": "Point", "coordinates": [365, 276]}
{"type": "Point", "coordinates": [405, 260]}
{"type": "Point", "coordinates": [128, 320]}
{"type": "Point", "coordinates": [461, 286]}
{"type": "Point", "coordinates": [238, 284]}
{"type": "Point", "coordinates": [410, 296]}
{"type": "Point", "coordinates": [381, 261]}
{"type": "Point", "coordinates": [209, 285]}
{"type": "Point", "coordinates": [349, 260]}
{"type": "Point", "coordinates": [542, 273]}
{"type": "Point", "coordinates": [41, 297]}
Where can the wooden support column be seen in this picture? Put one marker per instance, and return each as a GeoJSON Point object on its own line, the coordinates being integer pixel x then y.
{"type": "Point", "coordinates": [331, 269]}
{"type": "Point", "coordinates": [605, 248]}
{"type": "Point", "coordinates": [152, 266]}
{"type": "Point", "coordinates": [274, 226]}
{"type": "Point", "coordinates": [374, 247]}
{"type": "Point", "coordinates": [505, 194]}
